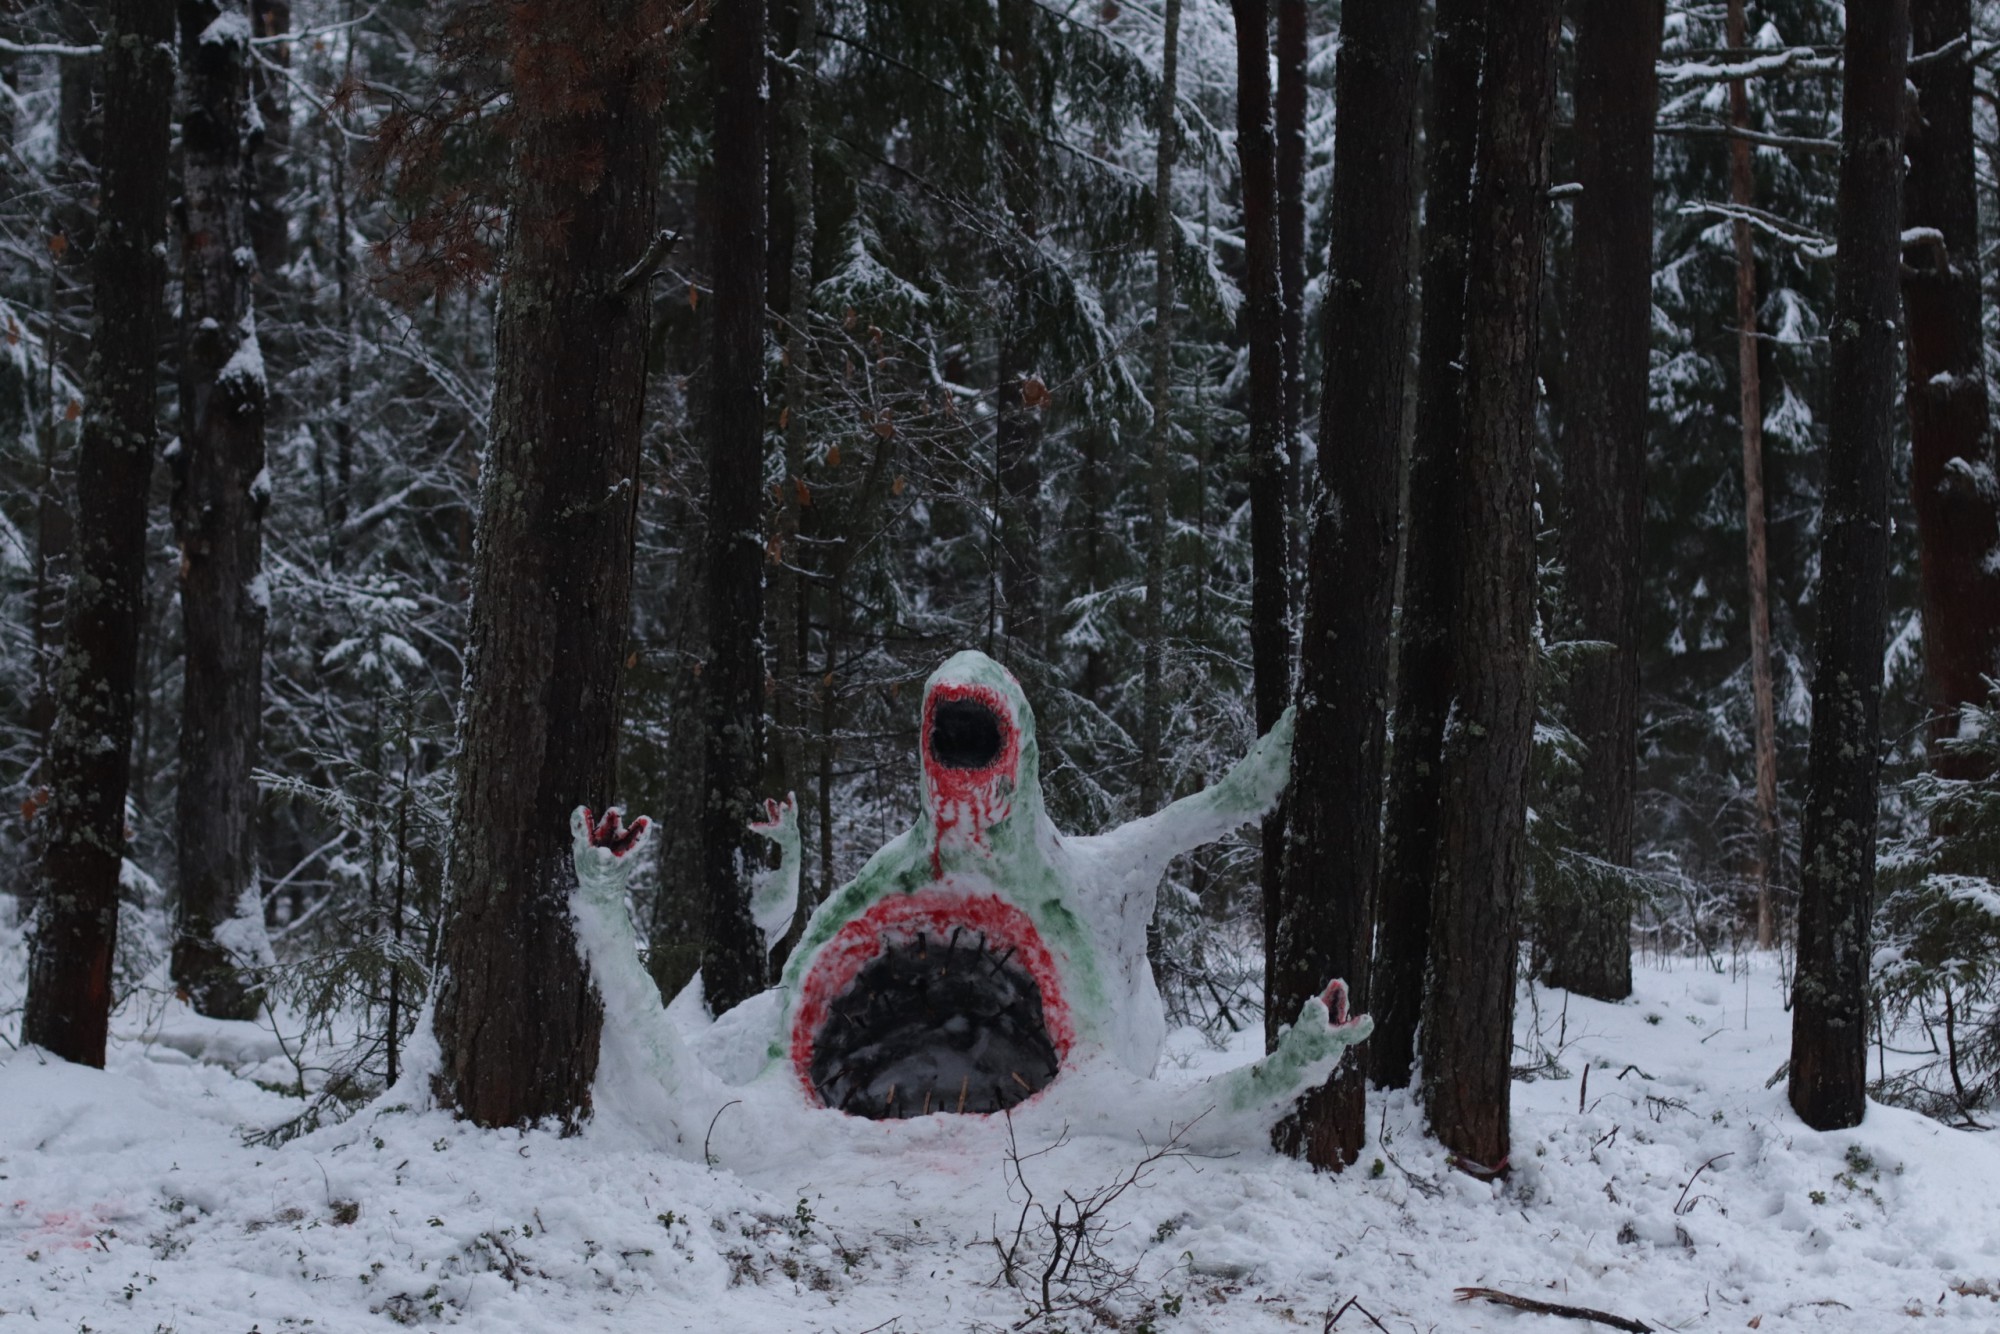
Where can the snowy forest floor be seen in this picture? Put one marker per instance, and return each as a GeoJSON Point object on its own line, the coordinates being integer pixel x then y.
{"type": "Point", "coordinates": [1683, 1194]}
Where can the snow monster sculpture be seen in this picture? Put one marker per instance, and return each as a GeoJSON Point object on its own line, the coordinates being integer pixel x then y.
{"type": "Point", "coordinates": [982, 956]}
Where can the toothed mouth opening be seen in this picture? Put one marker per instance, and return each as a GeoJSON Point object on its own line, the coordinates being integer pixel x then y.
{"type": "Point", "coordinates": [952, 1025]}
{"type": "Point", "coordinates": [931, 1002]}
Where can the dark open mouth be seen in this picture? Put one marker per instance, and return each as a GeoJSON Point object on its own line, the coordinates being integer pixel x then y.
{"type": "Point", "coordinates": [965, 734]}
{"type": "Point", "coordinates": [950, 1024]}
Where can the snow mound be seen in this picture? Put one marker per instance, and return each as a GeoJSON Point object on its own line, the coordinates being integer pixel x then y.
{"type": "Point", "coordinates": [1668, 1185]}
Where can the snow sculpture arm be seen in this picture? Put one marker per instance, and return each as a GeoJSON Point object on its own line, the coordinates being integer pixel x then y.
{"type": "Point", "coordinates": [605, 852]}
{"type": "Point", "coordinates": [775, 894]}
{"type": "Point", "coordinates": [1246, 793]}
{"type": "Point", "coordinates": [1243, 1104]}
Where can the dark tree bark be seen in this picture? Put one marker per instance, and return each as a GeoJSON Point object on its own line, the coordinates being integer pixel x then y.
{"type": "Point", "coordinates": [1021, 398]}
{"type": "Point", "coordinates": [1958, 520]}
{"type": "Point", "coordinates": [88, 766]}
{"type": "Point", "coordinates": [517, 1018]}
{"type": "Point", "coordinates": [79, 134]}
{"type": "Point", "coordinates": [1017, 460]}
{"type": "Point", "coordinates": [1325, 926]}
{"type": "Point", "coordinates": [734, 966]}
{"type": "Point", "coordinates": [1837, 850]}
{"type": "Point", "coordinates": [790, 594]}
{"type": "Point", "coordinates": [270, 227]}
{"type": "Point", "coordinates": [220, 493]}
{"type": "Point", "coordinates": [680, 909]}
{"type": "Point", "coordinates": [1431, 545]}
{"type": "Point", "coordinates": [1153, 725]}
{"type": "Point", "coordinates": [1291, 164]}
{"type": "Point", "coordinates": [1262, 325]}
{"type": "Point", "coordinates": [1468, 1026]}
{"type": "Point", "coordinates": [1584, 940]}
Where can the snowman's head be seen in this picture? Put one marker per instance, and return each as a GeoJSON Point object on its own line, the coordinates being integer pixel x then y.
{"type": "Point", "coordinates": [980, 759]}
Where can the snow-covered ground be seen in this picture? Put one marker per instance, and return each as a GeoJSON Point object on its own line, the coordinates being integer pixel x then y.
{"type": "Point", "coordinates": [1672, 1188]}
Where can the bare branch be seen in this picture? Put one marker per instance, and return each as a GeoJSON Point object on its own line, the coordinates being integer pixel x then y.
{"type": "Point", "coordinates": [1800, 143]}
{"type": "Point", "coordinates": [1500, 1298]}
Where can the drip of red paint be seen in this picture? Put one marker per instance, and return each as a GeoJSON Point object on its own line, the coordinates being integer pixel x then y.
{"type": "Point", "coordinates": [970, 801]}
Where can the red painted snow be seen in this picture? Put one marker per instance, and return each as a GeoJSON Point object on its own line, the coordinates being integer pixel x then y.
{"type": "Point", "coordinates": [607, 834]}
{"type": "Point", "coordinates": [970, 800]}
{"type": "Point", "coordinates": [935, 910]}
{"type": "Point", "coordinates": [1335, 1000]}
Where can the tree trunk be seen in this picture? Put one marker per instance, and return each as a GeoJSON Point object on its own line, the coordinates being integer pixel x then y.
{"type": "Point", "coordinates": [1751, 410]}
{"type": "Point", "coordinates": [734, 967]}
{"type": "Point", "coordinates": [1468, 1027]}
{"type": "Point", "coordinates": [679, 925]}
{"type": "Point", "coordinates": [221, 491]}
{"type": "Point", "coordinates": [1325, 926]}
{"type": "Point", "coordinates": [1431, 546]}
{"type": "Point", "coordinates": [1152, 760]}
{"type": "Point", "coordinates": [1262, 325]}
{"type": "Point", "coordinates": [789, 593]}
{"type": "Point", "coordinates": [517, 1018]}
{"type": "Point", "coordinates": [1017, 461]}
{"type": "Point", "coordinates": [88, 766]}
{"type": "Point", "coordinates": [1958, 520]}
{"type": "Point", "coordinates": [269, 226]}
{"type": "Point", "coordinates": [342, 426]}
{"type": "Point", "coordinates": [1291, 165]}
{"type": "Point", "coordinates": [1837, 848]}
{"type": "Point", "coordinates": [79, 136]}
{"type": "Point", "coordinates": [1585, 940]}
{"type": "Point", "coordinates": [1021, 398]}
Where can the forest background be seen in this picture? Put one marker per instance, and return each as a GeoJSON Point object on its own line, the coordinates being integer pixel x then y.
{"type": "Point", "coordinates": [980, 424]}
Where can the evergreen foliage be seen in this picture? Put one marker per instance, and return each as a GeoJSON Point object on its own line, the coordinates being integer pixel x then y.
{"type": "Point", "coordinates": [980, 261]}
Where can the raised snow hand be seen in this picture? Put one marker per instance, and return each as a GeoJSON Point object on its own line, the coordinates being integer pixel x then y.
{"type": "Point", "coordinates": [774, 896]}
{"type": "Point", "coordinates": [603, 850]}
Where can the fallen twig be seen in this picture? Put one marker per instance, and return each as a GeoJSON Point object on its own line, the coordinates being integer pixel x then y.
{"type": "Point", "coordinates": [706, 1156]}
{"type": "Point", "coordinates": [1683, 1205]}
{"type": "Point", "coordinates": [1333, 1318]}
{"type": "Point", "coordinates": [1553, 1308]}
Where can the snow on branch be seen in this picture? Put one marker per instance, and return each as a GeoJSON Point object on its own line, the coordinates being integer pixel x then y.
{"type": "Point", "coordinates": [1805, 240]}
{"type": "Point", "coordinates": [321, 30]}
{"type": "Point", "coordinates": [1793, 60]}
{"type": "Point", "coordinates": [49, 49]}
{"type": "Point", "coordinates": [1959, 50]}
{"type": "Point", "coordinates": [1799, 142]}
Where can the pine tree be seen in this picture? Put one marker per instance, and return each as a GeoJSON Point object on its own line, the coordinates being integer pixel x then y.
{"type": "Point", "coordinates": [732, 678]}
{"type": "Point", "coordinates": [1324, 918]}
{"type": "Point", "coordinates": [1750, 395]}
{"type": "Point", "coordinates": [1431, 546]}
{"type": "Point", "coordinates": [1584, 932]}
{"type": "Point", "coordinates": [516, 1019]}
{"type": "Point", "coordinates": [88, 768]}
{"type": "Point", "coordinates": [1469, 1009]}
{"type": "Point", "coordinates": [1263, 335]}
{"type": "Point", "coordinates": [1830, 990]}
{"type": "Point", "coordinates": [221, 490]}
{"type": "Point", "coordinates": [1958, 517]}
{"type": "Point", "coordinates": [1701, 797]}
